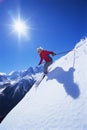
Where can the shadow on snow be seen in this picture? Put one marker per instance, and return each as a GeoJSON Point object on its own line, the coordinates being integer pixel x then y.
{"type": "Point", "coordinates": [67, 79]}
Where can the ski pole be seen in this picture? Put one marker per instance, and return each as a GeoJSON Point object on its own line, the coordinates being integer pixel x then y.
{"type": "Point", "coordinates": [64, 52]}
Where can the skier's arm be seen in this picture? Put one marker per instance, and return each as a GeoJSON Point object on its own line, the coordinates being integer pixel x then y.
{"type": "Point", "coordinates": [41, 59]}
{"type": "Point", "coordinates": [51, 52]}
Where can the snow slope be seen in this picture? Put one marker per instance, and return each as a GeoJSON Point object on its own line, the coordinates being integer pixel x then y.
{"type": "Point", "coordinates": [60, 101]}
{"type": "Point", "coordinates": [14, 86]}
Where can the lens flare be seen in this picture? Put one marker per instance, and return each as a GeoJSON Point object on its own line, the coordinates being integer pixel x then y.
{"type": "Point", "coordinates": [20, 27]}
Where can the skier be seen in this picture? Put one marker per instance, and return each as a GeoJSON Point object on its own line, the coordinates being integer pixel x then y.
{"type": "Point", "coordinates": [45, 55]}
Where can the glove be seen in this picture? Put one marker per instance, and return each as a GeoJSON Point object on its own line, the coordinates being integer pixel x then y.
{"type": "Point", "coordinates": [39, 64]}
{"type": "Point", "coordinates": [53, 54]}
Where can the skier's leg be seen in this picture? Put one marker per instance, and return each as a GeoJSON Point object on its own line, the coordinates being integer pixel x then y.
{"type": "Point", "coordinates": [46, 65]}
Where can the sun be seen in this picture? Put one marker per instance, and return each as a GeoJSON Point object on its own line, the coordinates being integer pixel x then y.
{"type": "Point", "coordinates": [20, 27]}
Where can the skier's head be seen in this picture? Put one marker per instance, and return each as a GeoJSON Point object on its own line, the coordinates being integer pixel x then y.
{"type": "Point", "coordinates": [39, 49]}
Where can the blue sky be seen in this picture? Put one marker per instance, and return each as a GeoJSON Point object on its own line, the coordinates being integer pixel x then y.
{"type": "Point", "coordinates": [56, 25]}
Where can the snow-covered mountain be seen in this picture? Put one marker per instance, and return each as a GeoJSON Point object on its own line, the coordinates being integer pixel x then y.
{"type": "Point", "coordinates": [14, 86]}
{"type": "Point", "coordinates": [60, 101]}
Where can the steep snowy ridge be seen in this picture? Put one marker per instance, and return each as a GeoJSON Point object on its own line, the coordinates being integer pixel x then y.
{"type": "Point", "coordinates": [60, 101]}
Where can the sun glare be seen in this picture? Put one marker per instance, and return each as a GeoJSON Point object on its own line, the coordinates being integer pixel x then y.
{"type": "Point", "coordinates": [20, 28]}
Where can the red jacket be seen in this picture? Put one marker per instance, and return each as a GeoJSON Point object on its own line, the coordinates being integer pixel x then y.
{"type": "Point", "coordinates": [44, 55]}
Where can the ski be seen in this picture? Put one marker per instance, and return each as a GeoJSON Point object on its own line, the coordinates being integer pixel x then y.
{"type": "Point", "coordinates": [39, 80]}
